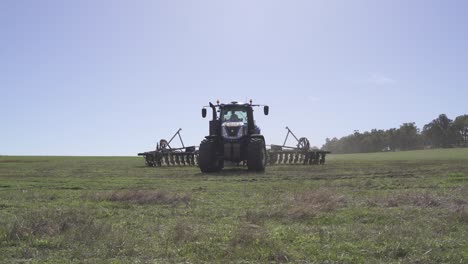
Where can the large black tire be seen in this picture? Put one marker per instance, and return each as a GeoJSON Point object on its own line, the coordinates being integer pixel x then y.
{"type": "Point", "coordinates": [256, 155]}
{"type": "Point", "coordinates": [208, 160]}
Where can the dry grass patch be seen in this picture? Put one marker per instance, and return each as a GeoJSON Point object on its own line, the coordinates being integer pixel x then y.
{"type": "Point", "coordinates": [312, 202]}
{"type": "Point", "coordinates": [77, 231]}
{"type": "Point", "coordinates": [425, 199]}
{"type": "Point", "coordinates": [253, 241]}
{"type": "Point", "coordinates": [184, 231]}
{"type": "Point", "coordinates": [455, 202]}
{"type": "Point", "coordinates": [459, 206]}
{"type": "Point", "coordinates": [248, 234]}
{"type": "Point", "coordinates": [47, 222]}
{"type": "Point", "coordinates": [143, 197]}
{"type": "Point", "coordinates": [461, 213]}
{"type": "Point", "coordinates": [418, 199]}
{"type": "Point", "coordinates": [297, 206]}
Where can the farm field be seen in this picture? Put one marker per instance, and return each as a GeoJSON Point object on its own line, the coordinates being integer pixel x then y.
{"type": "Point", "coordinates": [399, 207]}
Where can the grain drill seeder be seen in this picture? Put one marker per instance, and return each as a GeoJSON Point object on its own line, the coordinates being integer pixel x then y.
{"type": "Point", "coordinates": [300, 154]}
{"type": "Point", "coordinates": [165, 155]}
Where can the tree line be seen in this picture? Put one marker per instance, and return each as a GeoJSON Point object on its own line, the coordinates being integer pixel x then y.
{"type": "Point", "coordinates": [441, 132]}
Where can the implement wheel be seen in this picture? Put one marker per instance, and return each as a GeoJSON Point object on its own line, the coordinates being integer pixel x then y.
{"type": "Point", "coordinates": [303, 144]}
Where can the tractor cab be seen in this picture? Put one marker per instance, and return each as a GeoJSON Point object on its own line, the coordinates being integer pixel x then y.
{"type": "Point", "coordinates": [234, 122]}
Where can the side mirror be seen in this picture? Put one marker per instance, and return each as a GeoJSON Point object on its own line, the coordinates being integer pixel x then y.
{"type": "Point", "coordinates": [266, 109]}
{"type": "Point", "coordinates": [203, 112]}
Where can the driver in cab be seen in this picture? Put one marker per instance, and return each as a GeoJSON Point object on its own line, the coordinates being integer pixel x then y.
{"type": "Point", "coordinates": [234, 118]}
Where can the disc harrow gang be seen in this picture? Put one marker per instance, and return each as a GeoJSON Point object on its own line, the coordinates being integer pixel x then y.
{"type": "Point", "coordinates": [300, 154]}
{"type": "Point", "coordinates": [165, 155]}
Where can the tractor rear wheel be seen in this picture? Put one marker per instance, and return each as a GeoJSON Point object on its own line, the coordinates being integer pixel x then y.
{"type": "Point", "coordinates": [256, 155]}
{"type": "Point", "coordinates": [208, 160]}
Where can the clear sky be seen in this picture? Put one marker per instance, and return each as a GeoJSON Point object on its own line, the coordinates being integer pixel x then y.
{"type": "Point", "coordinates": [113, 77]}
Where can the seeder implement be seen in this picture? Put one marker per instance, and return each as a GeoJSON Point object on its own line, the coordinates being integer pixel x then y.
{"type": "Point", "coordinates": [165, 155]}
{"type": "Point", "coordinates": [300, 154]}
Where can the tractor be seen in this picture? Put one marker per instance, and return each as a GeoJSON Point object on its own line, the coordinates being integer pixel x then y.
{"type": "Point", "coordinates": [234, 137]}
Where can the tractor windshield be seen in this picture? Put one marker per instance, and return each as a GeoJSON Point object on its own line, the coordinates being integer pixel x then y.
{"type": "Point", "coordinates": [234, 114]}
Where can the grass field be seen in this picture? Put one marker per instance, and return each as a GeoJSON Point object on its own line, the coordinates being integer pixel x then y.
{"type": "Point", "coordinates": [400, 207]}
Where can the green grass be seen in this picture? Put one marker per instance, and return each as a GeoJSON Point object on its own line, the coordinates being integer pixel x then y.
{"type": "Point", "coordinates": [429, 154]}
{"type": "Point", "coordinates": [401, 207]}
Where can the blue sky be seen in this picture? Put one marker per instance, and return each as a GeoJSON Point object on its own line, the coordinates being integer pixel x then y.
{"type": "Point", "coordinates": [113, 77]}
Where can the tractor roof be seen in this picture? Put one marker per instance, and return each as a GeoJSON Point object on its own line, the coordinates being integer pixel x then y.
{"type": "Point", "coordinates": [235, 104]}
{"type": "Point", "coordinates": [231, 104]}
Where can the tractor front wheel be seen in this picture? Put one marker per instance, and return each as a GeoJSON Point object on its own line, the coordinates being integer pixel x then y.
{"type": "Point", "coordinates": [208, 160]}
{"type": "Point", "coordinates": [256, 156]}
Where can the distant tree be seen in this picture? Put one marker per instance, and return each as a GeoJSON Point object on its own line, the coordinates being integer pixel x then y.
{"type": "Point", "coordinates": [391, 138]}
{"type": "Point", "coordinates": [377, 140]}
{"type": "Point", "coordinates": [408, 136]}
{"type": "Point", "coordinates": [461, 128]}
{"type": "Point", "coordinates": [440, 132]}
{"type": "Point", "coordinates": [405, 137]}
{"type": "Point", "coordinates": [332, 145]}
